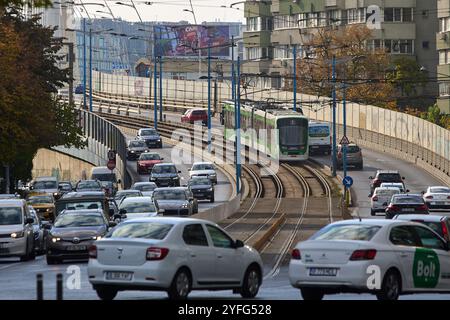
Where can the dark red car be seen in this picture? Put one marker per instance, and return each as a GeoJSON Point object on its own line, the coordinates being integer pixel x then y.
{"type": "Point", "coordinates": [146, 162]}
{"type": "Point", "coordinates": [193, 115]}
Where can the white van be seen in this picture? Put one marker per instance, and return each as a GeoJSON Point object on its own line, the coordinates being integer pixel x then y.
{"type": "Point", "coordinates": [107, 177]}
{"type": "Point", "coordinates": [319, 137]}
{"type": "Point", "coordinates": [16, 230]}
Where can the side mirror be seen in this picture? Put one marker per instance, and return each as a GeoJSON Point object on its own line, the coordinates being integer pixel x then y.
{"type": "Point", "coordinates": [179, 171]}
{"type": "Point", "coordinates": [122, 212]}
{"type": "Point", "coordinates": [29, 221]}
{"type": "Point", "coordinates": [112, 224]}
{"type": "Point", "coordinates": [161, 159]}
{"type": "Point", "coordinates": [407, 190]}
{"type": "Point", "coordinates": [422, 192]}
{"type": "Point", "coordinates": [370, 177]}
{"type": "Point", "coordinates": [47, 225]}
{"type": "Point", "coordinates": [111, 212]}
{"type": "Point", "coordinates": [370, 196]}
{"type": "Point", "coordinates": [119, 181]}
{"type": "Point", "coordinates": [238, 244]}
{"type": "Point", "coordinates": [403, 178]}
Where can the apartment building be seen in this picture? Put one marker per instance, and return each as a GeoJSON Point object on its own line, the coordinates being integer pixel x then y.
{"type": "Point", "coordinates": [406, 27]}
{"type": "Point", "coordinates": [443, 47]}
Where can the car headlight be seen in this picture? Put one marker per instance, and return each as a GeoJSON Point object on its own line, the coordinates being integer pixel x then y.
{"type": "Point", "coordinates": [55, 239]}
{"type": "Point", "coordinates": [96, 237]}
{"type": "Point", "coordinates": [16, 235]}
{"type": "Point", "coordinates": [212, 175]}
{"type": "Point", "coordinates": [184, 206]}
{"type": "Point", "coordinates": [132, 151]}
{"type": "Point", "coordinates": [175, 178]}
{"type": "Point", "coordinates": [159, 139]}
{"type": "Point", "coordinates": [210, 189]}
{"type": "Point", "coordinates": [48, 210]}
{"type": "Point", "coordinates": [55, 194]}
{"type": "Point", "coordinates": [152, 179]}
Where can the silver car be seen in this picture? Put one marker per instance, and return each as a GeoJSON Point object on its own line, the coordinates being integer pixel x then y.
{"type": "Point", "coordinates": [173, 201]}
{"type": "Point", "coordinates": [16, 230]}
{"type": "Point", "coordinates": [175, 255]}
{"type": "Point", "coordinates": [38, 231]}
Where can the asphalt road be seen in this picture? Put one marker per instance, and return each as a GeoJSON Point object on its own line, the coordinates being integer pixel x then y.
{"type": "Point", "coordinates": [18, 279]}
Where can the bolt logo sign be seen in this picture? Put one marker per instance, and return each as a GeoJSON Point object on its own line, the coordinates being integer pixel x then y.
{"type": "Point", "coordinates": [426, 268]}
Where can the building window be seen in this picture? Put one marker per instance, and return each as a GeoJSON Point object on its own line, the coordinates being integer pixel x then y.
{"type": "Point", "coordinates": [426, 44]}
{"type": "Point", "coordinates": [356, 15]}
{"type": "Point", "coordinates": [398, 14]}
{"type": "Point", "coordinates": [444, 89]}
{"type": "Point", "coordinates": [334, 17]}
{"type": "Point", "coordinates": [444, 56]}
{"type": "Point", "coordinates": [399, 46]}
{"type": "Point", "coordinates": [444, 24]}
{"type": "Point", "coordinates": [284, 22]}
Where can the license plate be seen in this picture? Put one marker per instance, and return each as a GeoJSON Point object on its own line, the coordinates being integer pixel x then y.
{"type": "Point", "coordinates": [200, 194]}
{"type": "Point", "coordinates": [326, 272]}
{"type": "Point", "coordinates": [408, 209]}
{"type": "Point", "coordinates": [76, 248]}
{"type": "Point", "coordinates": [124, 276]}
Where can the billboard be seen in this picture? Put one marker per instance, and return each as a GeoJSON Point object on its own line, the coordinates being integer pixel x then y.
{"type": "Point", "coordinates": [182, 41]}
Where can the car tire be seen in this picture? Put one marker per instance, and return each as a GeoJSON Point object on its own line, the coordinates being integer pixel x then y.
{"type": "Point", "coordinates": [105, 293]}
{"type": "Point", "coordinates": [312, 294]}
{"type": "Point", "coordinates": [391, 287]}
{"type": "Point", "coordinates": [181, 285]}
{"type": "Point", "coordinates": [51, 261]}
{"type": "Point", "coordinates": [211, 199]}
{"type": "Point", "coordinates": [372, 212]}
{"type": "Point", "coordinates": [251, 283]}
{"type": "Point", "coordinates": [29, 255]}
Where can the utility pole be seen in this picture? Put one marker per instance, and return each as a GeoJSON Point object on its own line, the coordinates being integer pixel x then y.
{"type": "Point", "coordinates": [160, 89]}
{"type": "Point", "coordinates": [209, 98]}
{"type": "Point", "coordinates": [155, 84]}
{"type": "Point", "coordinates": [71, 58]}
{"type": "Point", "coordinates": [295, 78]}
{"type": "Point", "coordinates": [84, 64]}
{"type": "Point", "coordinates": [333, 66]}
{"type": "Point", "coordinates": [90, 69]}
{"type": "Point", "coordinates": [238, 128]}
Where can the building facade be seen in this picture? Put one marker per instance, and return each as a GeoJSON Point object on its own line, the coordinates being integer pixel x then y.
{"type": "Point", "coordinates": [406, 27]}
{"type": "Point", "coordinates": [443, 47]}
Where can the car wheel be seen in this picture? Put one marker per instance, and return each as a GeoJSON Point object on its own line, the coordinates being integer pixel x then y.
{"type": "Point", "coordinates": [312, 294]}
{"type": "Point", "coordinates": [51, 261]}
{"type": "Point", "coordinates": [391, 287]}
{"type": "Point", "coordinates": [106, 293]}
{"type": "Point", "coordinates": [212, 199]}
{"type": "Point", "coordinates": [251, 283]}
{"type": "Point", "coordinates": [181, 285]}
{"type": "Point", "coordinates": [372, 212]}
{"type": "Point", "coordinates": [29, 255]}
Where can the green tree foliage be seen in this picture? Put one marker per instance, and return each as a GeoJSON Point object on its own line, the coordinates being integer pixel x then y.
{"type": "Point", "coordinates": [31, 115]}
{"type": "Point", "coordinates": [407, 76]}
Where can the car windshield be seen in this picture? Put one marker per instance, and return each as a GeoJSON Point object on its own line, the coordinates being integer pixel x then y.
{"type": "Point", "coordinates": [78, 220]}
{"type": "Point", "coordinates": [203, 166]}
{"type": "Point", "coordinates": [347, 232]}
{"type": "Point", "coordinates": [319, 131]}
{"type": "Point", "coordinates": [82, 205]}
{"type": "Point", "coordinates": [124, 193]}
{"type": "Point", "coordinates": [143, 230]}
{"type": "Point", "coordinates": [386, 192]}
{"type": "Point", "coordinates": [104, 177]}
{"type": "Point", "coordinates": [45, 185]}
{"type": "Point", "coordinates": [65, 187]}
{"type": "Point", "coordinates": [88, 185]}
{"type": "Point", "coordinates": [353, 149]}
{"type": "Point", "coordinates": [137, 144]}
{"type": "Point", "coordinates": [145, 187]}
{"type": "Point", "coordinates": [389, 177]}
{"type": "Point", "coordinates": [200, 182]}
{"type": "Point", "coordinates": [440, 190]}
{"type": "Point", "coordinates": [149, 132]}
{"type": "Point", "coordinates": [407, 200]}
{"type": "Point", "coordinates": [169, 195]}
{"type": "Point", "coordinates": [164, 169]}
{"type": "Point", "coordinates": [10, 215]}
{"type": "Point", "coordinates": [40, 200]}
{"type": "Point", "coordinates": [149, 156]}
{"type": "Point", "coordinates": [138, 207]}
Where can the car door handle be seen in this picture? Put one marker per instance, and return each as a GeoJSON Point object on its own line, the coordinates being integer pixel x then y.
{"type": "Point", "coordinates": [219, 256]}
{"type": "Point", "coordinates": [403, 255]}
{"type": "Point", "coordinates": [193, 255]}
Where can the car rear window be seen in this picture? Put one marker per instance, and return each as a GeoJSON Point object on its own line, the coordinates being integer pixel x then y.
{"type": "Point", "coordinates": [347, 232]}
{"type": "Point", "coordinates": [389, 177]}
{"type": "Point", "coordinates": [407, 200]}
{"type": "Point", "coordinates": [142, 230]}
{"type": "Point", "coordinates": [198, 112]}
{"type": "Point", "coordinates": [353, 149]}
{"type": "Point", "coordinates": [439, 190]}
{"type": "Point", "coordinates": [385, 193]}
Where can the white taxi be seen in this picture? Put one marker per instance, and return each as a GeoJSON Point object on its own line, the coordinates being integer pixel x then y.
{"type": "Point", "coordinates": [381, 198]}
{"type": "Point", "coordinates": [384, 257]}
{"type": "Point", "coordinates": [437, 197]}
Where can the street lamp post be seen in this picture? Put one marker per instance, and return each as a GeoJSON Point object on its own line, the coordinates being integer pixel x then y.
{"type": "Point", "coordinates": [160, 88]}
{"type": "Point", "coordinates": [238, 128]}
{"type": "Point", "coordinates": [90, 69]}
{"type": "Point", "coordinates": [84, 64]}
{"type": "Point", "coordinates": [155, 85]}
{"type": "Point", "coordinates": [334, 115]}
{"type": "Point", "coordinates": [294, 85]}
{"type": "Point", "coordinates": [209, 98]}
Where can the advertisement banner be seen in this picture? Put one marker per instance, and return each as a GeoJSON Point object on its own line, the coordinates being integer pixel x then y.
{"type": "Point", "coordinates": [182, 41]}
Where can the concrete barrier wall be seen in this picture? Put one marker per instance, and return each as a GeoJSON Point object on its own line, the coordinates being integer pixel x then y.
{"type": "Point", "coordinates": [52, 163]}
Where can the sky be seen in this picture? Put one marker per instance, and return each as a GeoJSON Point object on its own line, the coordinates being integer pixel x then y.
{"type": "Point", "coordinates": [170, 10]}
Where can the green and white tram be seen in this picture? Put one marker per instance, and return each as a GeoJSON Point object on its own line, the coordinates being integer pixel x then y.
{"type": "Point", "coordinates": [286, 130]}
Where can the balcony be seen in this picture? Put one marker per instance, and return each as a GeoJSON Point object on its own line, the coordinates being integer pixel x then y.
{"type": "Point", "coordinates": [443, 40]}
{"type": "Point", "coordinates": [256, 9]}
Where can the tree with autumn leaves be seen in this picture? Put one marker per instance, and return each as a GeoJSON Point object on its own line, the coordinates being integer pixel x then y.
{"type": "Point", "coordinates": [31, 115]}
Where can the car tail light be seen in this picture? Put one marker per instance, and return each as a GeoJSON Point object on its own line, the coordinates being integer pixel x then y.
{"type": "Point", "coordinates": [375, 198]}
{"type": "Point", "coordinates": [393, 208]}
{"type": "Point", "coordinates": [358, 255]}
{"type": "Point", "coordinates": [448, 197]}
{"type": "Point", "coordinates": [423, 207]}
{"type": "Point", "coordinates": [339, 155]}
{"type": "Point", "coordinates": [296, 254]}
{"type": "Point", "coordinates": [376, 182]}
{"type": "Point", "coordinates": [93, 252]}
{"type": "Point", "coordinates": [154, 253]}
{"type": "Point", "coordinates": [429, 197]}
{"type": "Point", "coordinates": [445, 231]}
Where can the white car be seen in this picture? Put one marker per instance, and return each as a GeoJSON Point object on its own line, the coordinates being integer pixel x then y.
{"type": "Point", "coordinates": [437, 197]}
{"type": "Point", "coordinates": [175, 255]}
{"type": "Point", "coordinates": [146, 188]}
{"type": "Point", "coordinates": [384, 257]}
{"type": "Point", "coordinates": [203, 169]}
{"type": "Point", "coordinates": [137, 207]}
{"type": "Point", "coordinates": [399, 185]}
{"type": "Point", "coordinates": [381, 198]}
